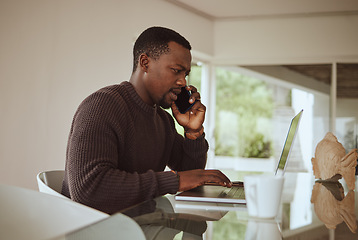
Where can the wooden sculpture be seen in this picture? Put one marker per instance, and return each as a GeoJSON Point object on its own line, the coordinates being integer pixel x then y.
{"type": "Point", "coordinates": [332, 207]}
{"type": "Point", "coordinates": [332, 163]}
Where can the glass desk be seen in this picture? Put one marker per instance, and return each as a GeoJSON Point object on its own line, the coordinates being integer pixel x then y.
{"type": "Point", "coordinates": [309, 210]}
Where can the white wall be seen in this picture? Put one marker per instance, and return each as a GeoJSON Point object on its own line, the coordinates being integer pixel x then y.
{"type": "Point", "coordinates": [55, 53]}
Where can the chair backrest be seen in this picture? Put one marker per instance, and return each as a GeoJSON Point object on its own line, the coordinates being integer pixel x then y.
{"type": "Point", "coordinates": [50, 182]}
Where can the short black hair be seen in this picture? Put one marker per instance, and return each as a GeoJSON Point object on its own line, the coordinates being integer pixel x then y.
{"type": "Point", "coordinates": [154, 42]}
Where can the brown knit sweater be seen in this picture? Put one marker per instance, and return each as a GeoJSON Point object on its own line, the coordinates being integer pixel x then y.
{"type": "Point", "coordinates": [118, 148]}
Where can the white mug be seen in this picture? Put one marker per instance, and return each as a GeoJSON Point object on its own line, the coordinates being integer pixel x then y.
{"type": "Point", "coordinates": [263, 195]}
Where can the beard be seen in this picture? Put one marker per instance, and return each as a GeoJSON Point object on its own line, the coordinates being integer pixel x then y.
{"type": "Point", "coordinates": [163, 103]}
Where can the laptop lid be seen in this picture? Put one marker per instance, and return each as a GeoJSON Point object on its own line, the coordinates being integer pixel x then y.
{"type": "Point", "coordinates": [282, 163]}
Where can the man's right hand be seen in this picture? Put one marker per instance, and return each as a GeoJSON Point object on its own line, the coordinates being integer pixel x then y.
{"type": "Point", "coordinates": [194, 178]}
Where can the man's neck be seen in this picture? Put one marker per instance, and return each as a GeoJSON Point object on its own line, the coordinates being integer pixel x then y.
{"type": "Point", "coordinates": [137, 82]}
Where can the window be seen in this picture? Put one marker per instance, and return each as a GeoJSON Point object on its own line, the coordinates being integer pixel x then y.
{"type": "Point", "coordinates": [252, 117]}
{"type": "Point", "coordinates": [244, 108]}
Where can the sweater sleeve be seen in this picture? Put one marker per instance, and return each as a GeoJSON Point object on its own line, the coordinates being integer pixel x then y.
{"type": "Point", "coordinates": [92, 175]}
{"type": "Point", "coordinates": [188, 154]}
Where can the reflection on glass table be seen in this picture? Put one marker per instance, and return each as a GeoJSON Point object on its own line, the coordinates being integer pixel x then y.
{"type": "Point", "coordinates": [315, 209]}
{"type": "Point", "coordinates": [331, 205]}
{"type": "Point", "coordinates": [166, 218]}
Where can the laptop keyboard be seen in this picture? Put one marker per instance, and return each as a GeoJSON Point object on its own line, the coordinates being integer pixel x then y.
{"type": "Point", "coordinates": [234, 192]}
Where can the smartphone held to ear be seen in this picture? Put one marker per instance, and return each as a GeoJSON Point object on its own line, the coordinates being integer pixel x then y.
{"type": "Point", "coordinates": [182, 101]}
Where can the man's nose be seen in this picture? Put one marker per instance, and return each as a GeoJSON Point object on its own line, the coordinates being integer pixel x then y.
{"type": "Point", "coordinates": [181, 81]}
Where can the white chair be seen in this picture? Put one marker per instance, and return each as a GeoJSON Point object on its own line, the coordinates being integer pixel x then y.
{"type": "Point", "coordinates": [28, 214]}
{"type": "Point", "coordinates": [50, 182]}
{"type": "Point", "coordinates": [118, 227]}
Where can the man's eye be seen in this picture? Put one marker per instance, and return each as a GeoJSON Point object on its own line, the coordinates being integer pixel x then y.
{"type": "Point", "coordinates": [176, 70]}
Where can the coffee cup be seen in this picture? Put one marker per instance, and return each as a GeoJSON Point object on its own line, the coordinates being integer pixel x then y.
{"type": "Point", "coordinates": [263, 195]}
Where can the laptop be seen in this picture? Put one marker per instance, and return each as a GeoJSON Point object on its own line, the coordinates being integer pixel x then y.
{"type": "Point", "coordinates": [236, 194]}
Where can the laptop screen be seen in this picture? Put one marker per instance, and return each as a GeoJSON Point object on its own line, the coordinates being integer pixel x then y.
{"type": "Point", "coordinates": [288, 143]}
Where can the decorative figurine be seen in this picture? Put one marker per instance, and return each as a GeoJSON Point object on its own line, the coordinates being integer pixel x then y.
{"type": "Point", "coordinates": [332, 163]}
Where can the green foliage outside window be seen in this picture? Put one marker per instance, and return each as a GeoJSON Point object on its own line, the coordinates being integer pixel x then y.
{"type": "Point", "coordinates": [241, 102]}
{"type": "Point", "coordinates": [257, 147]}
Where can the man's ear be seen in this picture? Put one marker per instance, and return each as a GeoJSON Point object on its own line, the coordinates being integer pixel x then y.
{"type": "Point", "coordinates": [143, 62]}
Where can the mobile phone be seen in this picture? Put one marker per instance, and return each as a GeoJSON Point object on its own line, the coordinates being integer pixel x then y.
{"type": "Point", "coordinates": [182, 101]}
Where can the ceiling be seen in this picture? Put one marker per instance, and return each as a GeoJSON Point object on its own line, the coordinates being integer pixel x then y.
{"type": "Point", "coordinates": [218, 10]}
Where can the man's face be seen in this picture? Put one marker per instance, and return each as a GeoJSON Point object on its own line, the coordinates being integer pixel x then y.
{"type": "Point", "coordinates": [166, 75]}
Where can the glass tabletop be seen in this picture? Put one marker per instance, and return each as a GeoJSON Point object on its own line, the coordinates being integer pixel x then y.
{"type": "Point", "coordinates": [310, 209]}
